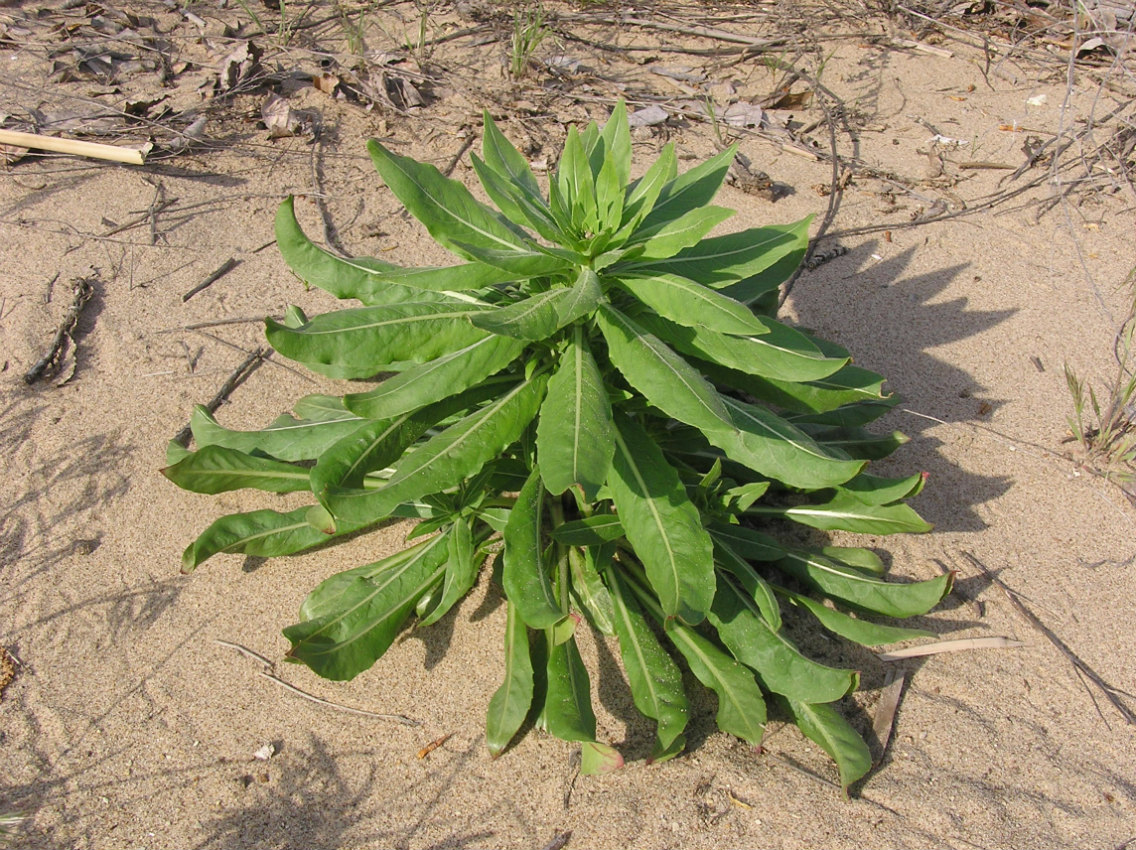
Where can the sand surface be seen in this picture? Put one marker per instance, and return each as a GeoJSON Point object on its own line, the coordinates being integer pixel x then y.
{"type": "Point", "coordinates": [128, 725]}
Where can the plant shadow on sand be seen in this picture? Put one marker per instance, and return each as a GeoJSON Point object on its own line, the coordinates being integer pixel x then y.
{"type": "Point", "coordinates": [856, 311]}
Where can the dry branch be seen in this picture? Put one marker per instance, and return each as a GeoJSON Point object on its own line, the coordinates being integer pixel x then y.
{"type": "Point", "coordinates": [92, 150]}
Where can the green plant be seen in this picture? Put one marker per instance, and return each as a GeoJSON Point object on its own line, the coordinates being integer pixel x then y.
{"type": "Point", "coordinates": [609, 411]}
{"type": "Point", "coordinates": [1110, 443]}
{"type": "Point", "coordinates": [9, 824]}
{"type": "Point", "coordinates": [528, 33]}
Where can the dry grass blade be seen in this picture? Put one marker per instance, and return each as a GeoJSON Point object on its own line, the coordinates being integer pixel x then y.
{"type": "Point", "coordinates": [1112, 694]}
{"type": "Point", "coordinates": [962, 645]}
{"type": "Point", "coordinates": [883, 721]}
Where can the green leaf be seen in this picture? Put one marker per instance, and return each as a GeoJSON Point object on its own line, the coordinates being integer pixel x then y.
{"type": "Point", "coordinates": [436, 379]}
{"type": "Point", "coordinates": [642, 194]}
{"type": "Point", "coordinates": [535, 317]}
{"type": "Point", "coordinates": [692, 304]}
{"type": "Point", "coordinates": [780, 665]}
{"type": "Point", "coordinates": [749, 543]}
{"type": "Point", "coordinates": [506, 160]}
{"type": "Point", "coordinates": [741, 708]}
{"type": "Point", "coordinates": [360, 342]}
{"type": "Point", "coordinates": [768, 444]}
{"type": "Point", "coordinates": [576, 183]}
{"type": "Point", "coordinates": [352, 618]}
{"type": "Point", "coordinates": [865, 592]}
{"type": "Point", "coordinates": [582, 299]}
{"type": "Point", "coordinates": [526, 577]}
{"type": "Point", "coordinates": [568, 707]}
{"type": "Point", "coordinates": [574, 436]}
{"type": "Point", "coordinates": [287, 438]}
{"type": "Point", "coordinates": [844, 512]}
{"type": "Point", "coordinates": [591, 592]}
{"type": "Point", "coordinates": [827, 728]}
{"type": "Point", "coordinates": [360, 278]}
{"type": "Point", "coordinates": [859, 631]}
{"type": "Point", "coordinates": [722, 260]}
{"type": "Point", "coordinates": [690, 191]}
{"type": "Point", "coordinates": [597, 759]}
{"type": "Point", "coordinates": [510, 703]}
{"type": "Point", "coordinates": [858, 443]}
{"type": "Point", "coordinates": [456, 220]}
{"type": "Point", "coordinates": [662, 524]}
{"type": "Point", "coordinates": [615, 140]}
{"type": "Point", "coordinates": [656, 682]}
{"type": "Point", "coordinates": [446, 458]}
{"type": "Point", "coordinates": [374, 446]}
{"type": "Point", "coordinates": [610, 189]}
{"type": "Point", "coordinates": [759, 590]}
{"type": "Point", "coordinates": [761, 291]}
{"type": "Point", "coordinates": [594, 530]}
{"type": "Point", "coordinates": [664, 378]}
{"type": "Point", "coordinates": [214, 469]}
{"type": "Point", "coordinates": [462, 564]}
{"type": "Point", "coordinates": [781, 353]}
{"type": "Point", "coordinates": [850, 386]}
{"type": "Point", "coordinates": [669, 238]}
{"type": "Point", "coordinates": [874, 490]}
{"type": "Point", "coordinates": [262, 533]}
{"type": "Point", "coordinates": [861, 559]}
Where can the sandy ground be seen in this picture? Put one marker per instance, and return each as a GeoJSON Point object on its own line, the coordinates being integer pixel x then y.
{"type": "Point", "coordinates": [128, 725]}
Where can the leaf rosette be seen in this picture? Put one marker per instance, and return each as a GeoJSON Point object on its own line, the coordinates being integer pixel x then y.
{"type": "Point", "coordinates": [598, 397]}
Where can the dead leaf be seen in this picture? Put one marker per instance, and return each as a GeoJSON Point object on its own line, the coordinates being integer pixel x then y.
{"type": "Point", "coordinates": [949, 646]}
{"type": "Point", "coordinates": [240, 65]}
{"type": "Point", "coordinates": [743, 115]}
{"type": "Point", "coordinates": [791, 100]}
{"type": "Point", "coordinates": [326, 83]}
{"type": "Point", "coordinates": [282, 121]}
{"type": "Point", "coordinates": [648, 116]}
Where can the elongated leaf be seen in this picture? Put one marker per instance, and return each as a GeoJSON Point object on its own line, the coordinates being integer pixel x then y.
{"type": "Point", "coordinates": [510, 703]}
{"type": "Point", "coordinates": [722, 260]}
{"type": "Point", "coordinates": [361, 342]}
{"type": "Point", "coordinates": [662, 524]}
{"type": "Point", "coordinates": [759, 590]}
{"type": "Point", "coordinates": [741, 708]}
{"type": "Point", "coordinates": [643, 193]}
{"type": "Point", "coordinates": [692, 304]}
{"type": "Point", "coordinates": [749, 543]}
{"type": "Point", "coordinates": [436, 379]}
{"type": "Point", "coordinates": [669, 238]}
{"type": "Point", "coordinates": [590, 591]}
{"type": "Point", "coordinates": [352, 618]}
{"type": "Point", "coordinates": [656, 682]}
{"type": "Point", "coordinates": [852, 556]}
{"type": "Point", "coordinates": [525, 577]}
{"type": "Point", "coordinates": [263, 533]}
{"type": "Point", "coordinates": [780, 665]}
{"type": "Point", "coordinates": [535, 317]}
{"type": "Point", "coordinates": [874, 490]}
{"type": "Point", "coordinates": [447, 458]}
{"type": "Point", "coordinates": [610, 190]}
{"type": "Point", "coordinates": [506, 160]}
{"type": "Point", "coordinates": [287, 438]}
{"type": "Point", "coordinates": [691, 190]}
{"type": "Point", "coordinates": [844, 512]}
{"type": "Point", "coordinates": [374, 446]}
{"type": "Point", "coordinates": [574, 436]}
{"type": "Point", "coordinates": [582, 299]}
{"type": "Point", "coordinates": [615, 144]}
{"type": "Point", "coordinates": [590, 531]}
{"type": "Point", "coordinates": [568, 707]}
{"type": "Point", "coordinates": [761, 291]}
{"type": "Point", "coordinates": [576, 183]}
{"type": "Point", "coordinates": [664, 378]}
{"type": "Point", "coordinates": [462, 562]}
{"type": "Point", "coordinates": [214, 469]}
{"type": "Point", "coordinates": [361, 278]}
{"type": "Point", "coordinates": [851, 386]}
{"type": "Point", "coordinates": [824, 725]}
{"type": "Point", "coordinates": [455, 219]}
{"type": "Point", "coordinates": [858, 631]}
{"type": "Point", "coordinates": [770, 445]}
{"type": "Point", "coordinates": [781, 353]}
{"type": "Point", "coordinates": [865, 592]}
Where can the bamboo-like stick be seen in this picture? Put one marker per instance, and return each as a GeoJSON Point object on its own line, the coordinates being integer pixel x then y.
{"type": "Point", "coordinates": [131, 156]}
